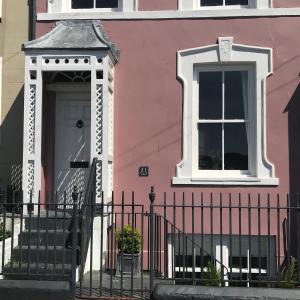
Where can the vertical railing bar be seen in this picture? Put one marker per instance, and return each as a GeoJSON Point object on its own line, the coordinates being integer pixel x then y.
{"type": "Point", "coordinates": [174, 236]}
{"type": "Point", "coordinates": [115, 239]}
{"type": "Point", "coordinates": [152, 238]}
{"type": "Point", "coordinates": [202, 237]}
{"type": "Point", "coordinates": [122, 242]}
{"type": "Point", "coordinates": [269, 236]}
{"type": "Point", "coordinates": [221, 239]}
{"type": "Point", "coordinates": [142, 250]}
{"type": "Point", "coordinates": [157, 244]}
{"type": "Point", "coordinates": [193, 238]}
{"type": "Point", "coordinates": [21, 236]}
{"type": "Point", "coordinates": [278, 238]}
{"type": "Point", "coordinates": [180, 261]}
{"type": "Point", "coordinates": [249, 239]}
{"type": "Point", "coordinates": [240, 236]}
{"type": "Point", "coordinates": [12, 231]}
{"type": "Point", "coordinates": [148, 240]}
{"type": "Point", "coordinates": [101, 240]}
{"type": "Point", "coordinates": [111, 253]}
{"type": "Point", "coordinates": [165, 237]}
{"type": "Point", "coordinates": [82, 226]}
{"type": "Point", "coordinates": [230, 235]}
{"type": "Point", "coordinates": [64, 232]}
{"type": "Point", "coordinates": [132, 243]}
{"type": "Point", "coordinates": [91, 206]}
{"type": "Point", "coordinates": [47, 234]}
{"type": "Point", "coordinates": [288, 228]}
{"type": "Point", "coordinates": [55, 233]}
{"type": "Point", "coordinates": [74, 240]}
{"type": "Point", "coordinates": [183, 234]}
{"type": "Point", "coordinates": [211, 232]}
{"type": "Point", "coordinates": [4, 229]}
{"type": "Point", "coordinates": [29, 238]}
{"type": "Point", "coordinates": [259, 234]}
{"type": "Point", "coordinates": [38, 233]}
{"type": "Point", "coordinates": [160, 245]}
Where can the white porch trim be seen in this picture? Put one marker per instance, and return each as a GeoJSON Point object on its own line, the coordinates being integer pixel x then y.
{"type": "Point", "coordinates": [36, 62]}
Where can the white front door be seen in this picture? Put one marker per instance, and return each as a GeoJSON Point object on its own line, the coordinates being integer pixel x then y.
{"type": "Point", "coordinates": [72, 147]}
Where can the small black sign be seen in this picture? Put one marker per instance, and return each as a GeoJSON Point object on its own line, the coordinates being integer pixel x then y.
{"type": "Point", "coordinates": [79, 164]}
{"type": "Point", "coordinates": [144, 171]}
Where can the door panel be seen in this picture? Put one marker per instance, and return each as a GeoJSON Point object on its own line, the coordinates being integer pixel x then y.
{"type": "Point", "coordinates": [72, 144]}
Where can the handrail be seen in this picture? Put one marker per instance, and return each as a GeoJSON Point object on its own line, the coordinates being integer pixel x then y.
{"type": "Point", "coordinates": [86, 215]}
{"type": "Point", "coordinates": [195, 244]}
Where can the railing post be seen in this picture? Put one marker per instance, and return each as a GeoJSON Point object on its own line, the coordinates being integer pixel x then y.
{"type": "Point", "coordinates": [75, 195]}
{"type": "Point", "coordinates": [152, 237]}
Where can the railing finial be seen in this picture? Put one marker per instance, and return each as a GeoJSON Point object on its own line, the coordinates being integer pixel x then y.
{"type": "Point", "coordinates": [152, 195]}
{"type": "Point", "coordinates": [75, 194]}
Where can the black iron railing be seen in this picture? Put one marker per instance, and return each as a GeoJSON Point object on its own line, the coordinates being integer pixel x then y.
{"type": "Point", "coordinates": [122, 247]}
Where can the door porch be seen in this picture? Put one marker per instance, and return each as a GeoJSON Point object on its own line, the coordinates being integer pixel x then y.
{"type": "Point", "coordinates": [73, 48]}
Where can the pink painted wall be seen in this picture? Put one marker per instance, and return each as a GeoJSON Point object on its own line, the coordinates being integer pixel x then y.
{"type": "Point", "coordinates": [148, 109]}
{"type": "Point", "coordinates": [158, 4]}
{"type": "Point", "coordinates": [286, 3]}
{"type": "Point", "coordinates": [148, 98]}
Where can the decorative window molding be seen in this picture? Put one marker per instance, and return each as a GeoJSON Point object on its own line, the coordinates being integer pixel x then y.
{"type": "Point", "coordinates": [224, 55]}
{"type": "Point", "coordinates": [196, 4]}
{"type": "Point", "coordinates": [65, 6]}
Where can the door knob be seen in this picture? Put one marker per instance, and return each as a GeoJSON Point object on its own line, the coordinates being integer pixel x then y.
{"type": "Point", "coordinates": [79, 124]}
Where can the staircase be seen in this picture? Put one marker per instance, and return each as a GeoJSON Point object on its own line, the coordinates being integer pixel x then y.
{"type": "Point", "coordinates": [42, 253]}
{"type": "Point", "coordinates": [44, 261]}
{"type": "Point", "coordinates": [42, 257]}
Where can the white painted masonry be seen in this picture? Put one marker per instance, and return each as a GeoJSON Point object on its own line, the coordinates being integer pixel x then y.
{"type": "Point", "coordinates": [40, 61]}
{"type": "Point", "coordinates": [228, 55]}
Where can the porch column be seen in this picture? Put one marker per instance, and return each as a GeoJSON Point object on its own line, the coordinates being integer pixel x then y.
{"type": "Point", "coordinates": [99, 122]}
{"type": "Point", "coordinates": [33, 91]}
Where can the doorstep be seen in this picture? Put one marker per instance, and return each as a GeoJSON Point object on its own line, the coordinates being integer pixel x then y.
{"type": "Point", "coordinates": [184, 292]}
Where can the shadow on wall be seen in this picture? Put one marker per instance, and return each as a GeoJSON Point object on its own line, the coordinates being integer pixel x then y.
{"type": "Point", "coordinates": [11, 144]}
{"type": "Point", "coordinates": [293, 110]}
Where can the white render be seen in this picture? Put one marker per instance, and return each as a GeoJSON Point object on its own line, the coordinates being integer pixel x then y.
{"type": "Point", "coordinates": [229, 55]}
{"type": "Point", "coordinates": [170, 14]}
{"type": "Point", "coordinates": [35, 62]}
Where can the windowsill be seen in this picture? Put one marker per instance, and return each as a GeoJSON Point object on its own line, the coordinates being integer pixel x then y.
{"type": "Point", "coordinates": [248, 181]}
{"type": "Point", "coordinates": [171, 14]}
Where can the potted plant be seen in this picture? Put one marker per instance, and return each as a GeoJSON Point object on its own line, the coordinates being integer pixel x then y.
{"type": "Point", "coordinates": [129, 244]}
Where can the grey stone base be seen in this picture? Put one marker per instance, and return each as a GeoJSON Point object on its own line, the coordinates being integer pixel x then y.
{"type": "Point", "coordinates": [183, 292]}
{"type": "Point", "coordinates": [34, 290]}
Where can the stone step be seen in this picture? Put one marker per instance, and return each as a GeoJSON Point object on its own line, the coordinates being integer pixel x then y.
{"type": "Point", "coordinates": [35, 237]}
{"type": "Point", "coordinates": [34, 290]}
{"type": "Point", "coordinates": [38, 271]}
{"type": "Point", "coordinates": [50, 221]}
{"type": "Point", "coordinates": [42, 254]}
{"type": "Point", "coordinates": [40, 268]}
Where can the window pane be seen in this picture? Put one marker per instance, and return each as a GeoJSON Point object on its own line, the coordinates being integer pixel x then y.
{"type": "Point", "coordinates": [210, 146]}
{"type": "Point", "coordinates": [236, 2]}
{"type": "Point", "coordinates": [106, 3]}
{"type": "Point", "coordinates": [82, 4]}
{"type": "Point", "coordinates": [235, 91]}
{"type": "Point", "coordinates": [211, 2]}
{"type": "Point", "coordinates": [235, 147]}
{"type": "Point", "coordinates": [210, 95]}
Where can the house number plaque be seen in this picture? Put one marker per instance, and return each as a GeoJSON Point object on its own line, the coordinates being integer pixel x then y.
{"type": "Point", "coordinates": [144, 171]}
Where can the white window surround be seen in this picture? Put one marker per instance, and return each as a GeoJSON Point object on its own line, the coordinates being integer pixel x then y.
{"type": "Point", "coordinates": [64, 6]}
{"type": "Point", "coordinates": [225, 53]}
{"type": "Point", "coordinates": [195, 4]}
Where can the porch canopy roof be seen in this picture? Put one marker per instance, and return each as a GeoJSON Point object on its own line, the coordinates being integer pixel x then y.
{"type": "Point", "coordinates": [75, 35]}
